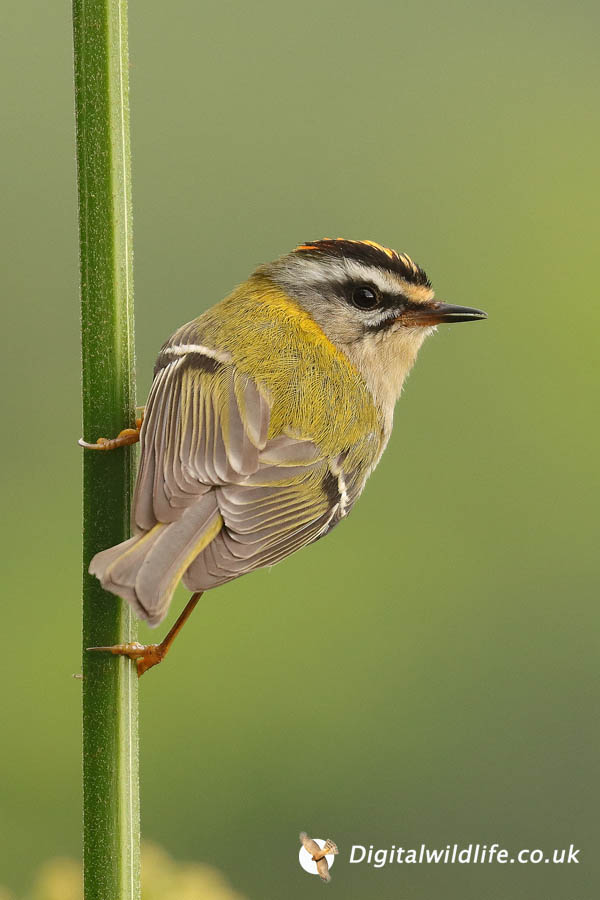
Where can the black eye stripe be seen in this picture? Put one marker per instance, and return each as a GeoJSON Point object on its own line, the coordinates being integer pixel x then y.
{"type": "Point", "coordinates": [392, 305]}
{"type": "Point", "coordinates": [377, 315]}
{"type": "Point", "coordinates": [385, 300]}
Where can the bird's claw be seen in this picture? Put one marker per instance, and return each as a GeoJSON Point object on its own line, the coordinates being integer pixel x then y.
{"type": "Point", "coordinates": [123, 439]}
{"type": "Point", "coordinates": [145, 655]}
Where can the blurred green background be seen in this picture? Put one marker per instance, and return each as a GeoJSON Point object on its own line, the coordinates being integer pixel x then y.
{"type": "Point", "coordinates": [429, 672]}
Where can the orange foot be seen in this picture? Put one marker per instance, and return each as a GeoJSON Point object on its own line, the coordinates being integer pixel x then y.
{"type": "Point", "coordinates": [146, 655]}
{"type": "Point", "coordinates": [125, 437]}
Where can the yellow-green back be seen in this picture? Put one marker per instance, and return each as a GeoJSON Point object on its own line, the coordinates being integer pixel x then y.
{"type": "Point", "coordinates": [314, 389]}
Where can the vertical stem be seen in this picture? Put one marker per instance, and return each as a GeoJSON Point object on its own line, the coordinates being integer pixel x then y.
{"type": "Point", "coordinates": [110, 738]}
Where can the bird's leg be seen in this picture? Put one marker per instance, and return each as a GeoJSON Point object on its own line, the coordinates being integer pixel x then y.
{"type": "Point", "coordinates": [148, 655]}
{"type": "Point", "coordinates": [125, 437]}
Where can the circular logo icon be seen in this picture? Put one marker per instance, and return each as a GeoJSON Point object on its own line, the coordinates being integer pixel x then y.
{"type": "Point", "coordinates": [308, 863]}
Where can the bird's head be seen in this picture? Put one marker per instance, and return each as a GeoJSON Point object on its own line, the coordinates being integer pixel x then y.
{"type": "Point", "coordinates": [373, 303]}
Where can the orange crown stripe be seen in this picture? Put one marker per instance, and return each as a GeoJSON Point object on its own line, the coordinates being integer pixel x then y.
{"type": "Point", "coordinates": [314, 245]}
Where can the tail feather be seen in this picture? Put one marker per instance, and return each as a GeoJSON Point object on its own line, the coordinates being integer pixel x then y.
{"type": "Point", "coordinates": [145, 569]}
{"type": "Point", "coordinates": [117, 567]}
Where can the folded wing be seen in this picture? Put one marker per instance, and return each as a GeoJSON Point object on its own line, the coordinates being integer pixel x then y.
{"type": "Point", "coordinates": [217, 495]}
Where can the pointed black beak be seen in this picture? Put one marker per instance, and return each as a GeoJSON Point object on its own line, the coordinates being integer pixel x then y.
{"type": "Point", "coordinates": [448, 313]}
{"type": "Point", "coordinates": [441, 314]}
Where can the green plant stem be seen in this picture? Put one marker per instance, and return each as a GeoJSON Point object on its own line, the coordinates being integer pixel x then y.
{"type": "Point", "coordinates": [110, 737]}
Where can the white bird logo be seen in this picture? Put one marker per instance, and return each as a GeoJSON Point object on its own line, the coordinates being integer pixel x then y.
{"type": "Point", "coordinates": [319, 854]}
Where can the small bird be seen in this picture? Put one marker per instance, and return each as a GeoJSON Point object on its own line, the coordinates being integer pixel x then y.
{"type": "Point", "coordinates": [266, 416]}
{"type": "Point", "coordinates": [319, 854]}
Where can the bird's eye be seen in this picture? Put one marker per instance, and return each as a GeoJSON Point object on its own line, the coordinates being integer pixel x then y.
{"type": "Point", "coordinates": [365, 297]}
